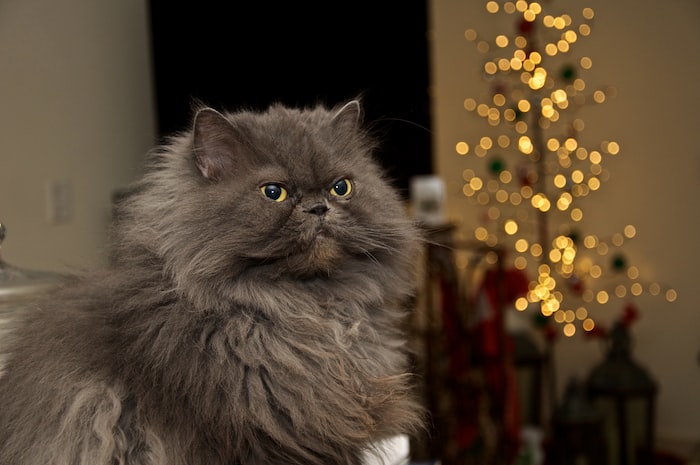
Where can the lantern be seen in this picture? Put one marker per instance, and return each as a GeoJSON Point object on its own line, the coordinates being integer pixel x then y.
{"type": "Point", "coordinates": [576, 429]}
{"type": "Point", "coordinates": [625, 395]}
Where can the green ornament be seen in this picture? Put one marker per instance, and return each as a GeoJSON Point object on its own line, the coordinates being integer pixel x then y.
{"type": "Point", "coordinates": [540, 320]}
{"type": "Point", "coordinates": [519, 114]}
{"type": "Point", "coordinates": [568, 72]}
{"type": "Point", "coordinates": [496, 165]}
{"type": "Point", "coordinates": [575, 237]}
{"type": "Point", "coordinates": [619, 262]}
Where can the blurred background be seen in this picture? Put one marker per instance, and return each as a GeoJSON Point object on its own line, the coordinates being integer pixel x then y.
{"type": "Point", "coordinates": [88, 87]}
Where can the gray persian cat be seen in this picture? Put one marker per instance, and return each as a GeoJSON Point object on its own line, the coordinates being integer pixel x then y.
{"type": "Point", "coordinates": [252, 312]}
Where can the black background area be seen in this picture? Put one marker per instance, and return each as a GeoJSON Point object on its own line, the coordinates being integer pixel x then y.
{"type": "Point", "coordinates": [233, 55]}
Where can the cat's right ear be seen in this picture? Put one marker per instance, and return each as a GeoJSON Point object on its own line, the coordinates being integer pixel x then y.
{"type": "Point", "coordinates": [214, 143]}
{"type": "Point", "coordinates": [350, 113]}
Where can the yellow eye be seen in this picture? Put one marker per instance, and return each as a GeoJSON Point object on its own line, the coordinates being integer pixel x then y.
{"type": "Point", "coordinates": [341, 188]}
{"type": "Point", "coordinates": [274, 191]}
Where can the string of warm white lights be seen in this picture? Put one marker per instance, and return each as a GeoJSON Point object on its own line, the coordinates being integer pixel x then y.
{"type": "Point", "coordinates": [536, 90]}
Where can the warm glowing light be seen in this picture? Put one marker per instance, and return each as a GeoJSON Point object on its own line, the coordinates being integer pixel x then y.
{"type": "Point", "coordinates": [617, 239]}
{"type": "Point", "coordinates": [599, 96]}
{"type": "Point", "coordinates": [654, 288]}
{"type": "Point", "coordinates": [559, 96]}
{"type": "Point", "coordinates": [584, 30]}
{"type": "Point", "coordinates": [576, 214]}
{"type": "Point", "coordinates": [620, 290]}
{"type": "Point", "coordinates": [462, 148]}
{"type": "Point", "coordinates": [560, 316]}
{"type": "Point", "coordinates": [490, 67]}
{"type": "Point", "coordinates": [636, 289]}
{"type": "Point", "coordinates": [525, 145]}
{"type": "Point", "coordinates": [510, 227]}
{"type": "Point", "coordinates": [569, 329]}
{"type": "Point", "coordinates": [470, 34]}
{"type": "Point", "coordinates": [554, 255]}
{"type": "Point", "coordinates": [469, 104]}
{"type": "Point", "coordinates": [536, 250]}
{"type": "Point", "coordinates": [492, 7]}
{"type": "Point", "coordinates": [524, 105]}
{"type": "Point", "coordinates": [502, 196]}
{"type": "Point", "coordinates": [486, 142]}
{"type": "Point", "coordinates": [551, 49]}
{"type": "Point", "coordinates": [602, 297]}
{"type": "Point", "coordinates": [502, 41]}
{"type": "Point", "coordinates": [521, 245]}
{"type": "Point", "coordinates": [559, 181]}
{"type": "Point", "coordinates": [581, 313]}
{"type": "Point", "coordinates": [633, 272]}
{"type": "Point", "coordinates": [481, 233]}
{"type": "Point", "coordinates": [630, 231]}
{"type": "Point", "coordinates": [613, 148]}
{"type": "Point", "coordinates": [476, 183]}
{"type": "Point", "coordinates": [671, 295]}
{"type": "Point", "coordinates": [588, 13]}
{"type": "Point", "coordinates": [588, 324]}
{"type": "Point", "coordinates": [577, 176]}
{"type": "Point", "coordinates": [521, 304]}
{"type": "Point", "coordinates": [586, 63]}
{"type": "Point", "coordinates": [538, 79]}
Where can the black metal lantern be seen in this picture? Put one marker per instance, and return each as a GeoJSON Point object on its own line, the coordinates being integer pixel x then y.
{"type": "Point", "coordinates": [577, 430]}
{"type": "Point", "coordinates": [625, 394]}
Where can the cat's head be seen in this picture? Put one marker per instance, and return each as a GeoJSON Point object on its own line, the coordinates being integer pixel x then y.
{"type": "Point", "coordinates": [285, 193]}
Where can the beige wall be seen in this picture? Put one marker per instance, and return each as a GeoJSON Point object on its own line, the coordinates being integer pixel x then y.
{"type": "Point", "coordinates": [76, 109]}
{"type": "Point", "coordinates": [649, 51]}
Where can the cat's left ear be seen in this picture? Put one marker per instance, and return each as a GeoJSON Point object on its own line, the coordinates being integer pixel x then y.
{"type": "Point", "coordinates": [215, 143]}
{"type": "Point", "coordinates": [350, 113]}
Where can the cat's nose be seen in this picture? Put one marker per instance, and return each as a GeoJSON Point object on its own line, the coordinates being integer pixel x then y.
{"type": "Point", "coordinates": [317, 209]}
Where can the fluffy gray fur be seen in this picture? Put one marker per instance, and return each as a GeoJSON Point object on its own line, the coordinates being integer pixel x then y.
{"type": "Point", "coordinates": [229, 328]}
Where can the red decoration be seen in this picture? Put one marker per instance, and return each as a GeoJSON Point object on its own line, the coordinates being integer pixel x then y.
{"type": "Point", "coordinates": [629, 315]}
{"type": "Point", "coordinates": [526, 27]}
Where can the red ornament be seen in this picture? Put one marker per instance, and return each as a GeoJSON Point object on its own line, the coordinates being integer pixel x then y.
{"type": "Point", "coordinates": [630, 314]}
{"type": "Point", "coordinates": [597, 332]}
{"type": "Point", "coordinates": [550, 333]}
{"type": "Point", "coordinates": [526, 27]}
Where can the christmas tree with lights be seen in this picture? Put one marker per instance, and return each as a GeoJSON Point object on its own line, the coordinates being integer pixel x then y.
{"type": "Point", "coordinates": [530, 171]}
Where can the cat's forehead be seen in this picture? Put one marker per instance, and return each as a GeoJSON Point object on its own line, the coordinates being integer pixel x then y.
{"type": "Point", "coordinates": [305, 144]}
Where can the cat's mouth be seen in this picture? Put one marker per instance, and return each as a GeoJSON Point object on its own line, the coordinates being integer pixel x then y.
{"type": "Point", "coordinates": [319, 252]}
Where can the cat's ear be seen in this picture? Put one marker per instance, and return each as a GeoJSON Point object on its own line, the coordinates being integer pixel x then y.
{"type": "Point", "coordinates": [350, 113]}
{"type": "Point", "coordinates": [215, 143]}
